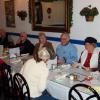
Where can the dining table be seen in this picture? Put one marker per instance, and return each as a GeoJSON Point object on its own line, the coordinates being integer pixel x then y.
{"type": "Point", "coordinates": [59, 79]}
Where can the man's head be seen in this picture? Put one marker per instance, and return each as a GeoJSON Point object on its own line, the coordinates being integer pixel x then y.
{"type": "Point", "coordinates": [64, 38]}
{"type": "Point", "coordinates": [23, 36]}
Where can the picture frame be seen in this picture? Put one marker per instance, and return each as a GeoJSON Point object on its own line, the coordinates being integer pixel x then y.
{"type": "Point", "coordinates": [48, 18]}
{"type": "Point", "coordinates": [10, 13]}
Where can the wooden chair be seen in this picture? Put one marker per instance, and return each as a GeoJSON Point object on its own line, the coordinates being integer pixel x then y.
{"type": "Point", "coordinates": [79, 96]}
{"type": "Point", "coordinates": [20, 87]}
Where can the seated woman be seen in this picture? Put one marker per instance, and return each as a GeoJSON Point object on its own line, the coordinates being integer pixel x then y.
{"type": "Point", "coordinates": [43, 43]}
{"type": "Point", "coordinates": [90, 57]}
{"type": "Point", "coordinates": [25, 45]}
{"type": "Point", "coordinates": [36, 74]}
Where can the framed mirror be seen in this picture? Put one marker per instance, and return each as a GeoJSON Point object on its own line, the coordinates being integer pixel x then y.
{"type": "Point", "coordinates": [51, 15]}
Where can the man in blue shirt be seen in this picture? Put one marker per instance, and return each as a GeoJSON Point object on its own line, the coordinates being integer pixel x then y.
{"type": "Point", "coordinates": [66, 52]}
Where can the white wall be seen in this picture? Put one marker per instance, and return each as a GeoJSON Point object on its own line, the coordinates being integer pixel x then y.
{"type": "Point", "coordinates": [79, 31]}
{"type": "Point", "coordinates": [81, 28]}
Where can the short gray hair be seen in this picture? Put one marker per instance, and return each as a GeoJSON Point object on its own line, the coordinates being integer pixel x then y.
{"type": "Point", "coordinates": [66, 34]}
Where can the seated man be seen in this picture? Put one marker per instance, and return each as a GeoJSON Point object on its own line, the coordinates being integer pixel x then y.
{"type": "Point", "coordinates": [3, 38]}
{"type": "Point", "coordinates": [66, 52]}
{"type": "Point", "coordinates": [25, 45]}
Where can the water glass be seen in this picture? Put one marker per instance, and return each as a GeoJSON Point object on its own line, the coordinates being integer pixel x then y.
{"type": "Point", "coordinates": [53, 66]}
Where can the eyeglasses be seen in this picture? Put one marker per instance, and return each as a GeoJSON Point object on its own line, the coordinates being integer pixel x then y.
{"type": "Point", "coordinates": [63, 38]}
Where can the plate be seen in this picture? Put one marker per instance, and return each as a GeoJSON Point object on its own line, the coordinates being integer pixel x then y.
{"type": "Point", "coordinates": [25, 54]}
{"type": "Point", "coordinates": [2, 57]}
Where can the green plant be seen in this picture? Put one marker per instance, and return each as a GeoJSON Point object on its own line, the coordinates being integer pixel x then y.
{"type": "Point", "coordinates": [88, 11]}
{"type": "Point", "coordinates": [22, 14]}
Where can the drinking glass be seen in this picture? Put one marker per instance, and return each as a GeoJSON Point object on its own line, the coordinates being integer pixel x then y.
{"type": "Point", "coordinates": [53, 66]}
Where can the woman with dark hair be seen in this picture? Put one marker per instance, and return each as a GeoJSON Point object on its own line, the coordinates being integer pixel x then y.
{"type": "Point", "coordinates": [90, 57]}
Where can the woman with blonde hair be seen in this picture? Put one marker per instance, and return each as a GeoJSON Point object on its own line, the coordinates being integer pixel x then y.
{"type": "Point", "coordinates": [36, 74]}
{"type": "Point", "coordinates": [43, 43]}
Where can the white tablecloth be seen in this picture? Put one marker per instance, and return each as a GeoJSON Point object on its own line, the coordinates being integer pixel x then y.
{"type": "Point", "coordinates": [61, 88]}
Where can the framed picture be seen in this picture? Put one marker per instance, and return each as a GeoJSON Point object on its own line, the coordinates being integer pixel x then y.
{"type": "Point", "coordinates": [51, 15]}
{"type": "Point", "coordinates": [10, 13]}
